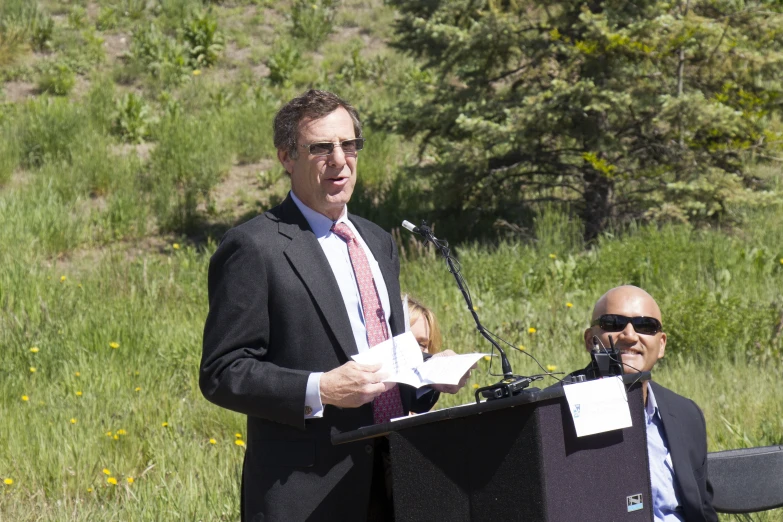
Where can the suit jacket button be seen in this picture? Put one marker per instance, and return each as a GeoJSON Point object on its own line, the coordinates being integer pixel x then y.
{"type": "Point", "coordinates": [308, 410]}
{"type": "Point", "coordinates": [368, 449]}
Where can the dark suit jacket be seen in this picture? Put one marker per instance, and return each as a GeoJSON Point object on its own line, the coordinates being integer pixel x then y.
{"type": "Point", "coordinates": [276, 315]}
{"type": "Point", "coordinates": [686, 433]}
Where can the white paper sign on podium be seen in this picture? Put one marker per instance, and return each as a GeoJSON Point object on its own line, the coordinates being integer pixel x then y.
{"type": "Point", "coordinates": [598, 406]}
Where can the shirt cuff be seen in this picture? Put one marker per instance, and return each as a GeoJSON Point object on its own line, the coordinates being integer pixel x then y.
{"type": "Point", "coordinates": [313, 409]}
{"type": "Point", "coordinates": [424, 390]}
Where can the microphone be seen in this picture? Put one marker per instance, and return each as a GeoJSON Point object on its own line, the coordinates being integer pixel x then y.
{"type": "Point", "coordinates": [407, 225]}
{"type": "Point", "coordinates": [511, 384]}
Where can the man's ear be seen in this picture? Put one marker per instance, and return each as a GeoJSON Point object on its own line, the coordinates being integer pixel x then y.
{"type": "Point", "coordinates": [662, 347]}
{"type": "Point", "coordinates": [588, 339]}
{"type": "Point", "coordinates": [286, 160]}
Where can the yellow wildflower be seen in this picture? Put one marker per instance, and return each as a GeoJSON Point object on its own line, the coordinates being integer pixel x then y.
{"type": "Point", "coordinates": [106, 471]}
{"type": "Point", "coordinates": [62, 279]}
{"type": "Point", "coordinates": [114, 345]}
{"type": "Point", "coordinates": [138, 389]}
{"type": "Point", "coordinates": [116, 437]}
{"type": "Point", "coordinates": [487, 357]}
{"type": "Point", "coordinates": [475, 386]}
{"type": "Point", "coordinates": [196, 72]}
{"type": "Point", "coordinates": [551, 367]}
{"type": "Point", "coordinates": [531, 330]}
{"type": "Point", "coordinates": [112, 481]}
{"type": "Point", "coordinates": [569, 305]}
{"type": "Point", "coordinates": [122, 432]}
{"type": "Point", "coordinates": [77, 374]}
{"type": "Point", "coordinates": [25, 398]}
{"type": "Point", "coordinates": [175, 246]}
{"type": "Point", "coordinates": [8, 481]}
{"type": "Point", "coordinates": [212, 441]}
{"type": "Point", "coordinates": [89, 490]}
{"type": "Point", "coordinates": [34, 349]}
{"type": "Point", "coordinates": [239, 442]}
{"type": "Point", "coordinates": [33, 369]}
{"type": "Point", "coordinates": [130, 480]}
{"type": "Point", "coordinates": [108, 434]}
{"type": "Point", "coordinates": [552, 256]}
{"type": "Point", "coordinates": [238, 435]}
{"type": "Point", "coordinates": [781, 260]}
{"type": "Point", "coordinates": [73, 421]}
{"type": "Point", "coordinates": [521, 347]}
{"type": "Point", "coordinates": [78, 394]}
{"type": "Point", "coordinates": [165, 424]}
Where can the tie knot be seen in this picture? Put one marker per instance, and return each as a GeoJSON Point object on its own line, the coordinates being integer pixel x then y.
{"type": "Point", "coordinates": [342, 231]}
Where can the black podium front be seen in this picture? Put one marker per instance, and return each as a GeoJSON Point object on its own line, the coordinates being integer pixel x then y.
{"type": "Point", "coordinates": [517, 459]}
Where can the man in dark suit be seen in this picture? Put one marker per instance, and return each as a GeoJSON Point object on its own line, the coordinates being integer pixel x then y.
{"type": "Point", "coordinates": [293, 294]}
{"type": "Point", "coordinates": [676, 431]}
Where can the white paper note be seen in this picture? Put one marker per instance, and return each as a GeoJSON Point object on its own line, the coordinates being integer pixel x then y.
{"type": "Point", "coordinates": [598, 406]}
{"type": "Point", "coordinates": [401, 358]}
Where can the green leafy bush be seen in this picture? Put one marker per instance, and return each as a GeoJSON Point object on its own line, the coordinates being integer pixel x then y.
{"type": "Point", "coordinates": [17, 20]}
{"type": "Point", "coordinates": [42, 34]}
{"type": "Point", "coordinates": [56, 79]}
{"type": "Point", "coordinates": [313, 21]}
{"type": "Point", "coordinates": [132, 118]}
{"type": "Point", "coordinates": [191, 157]}
{"type": "Point", "coordinates": [107, 18]}
{"type": "Point", "coordinates": [77, 17]}
{"type": "Point", "coordinates": [283, 63]}
{"type": "Point", "coordinates": [160, 55]}
{"type": "Point", "coordinates": [250, 127]}
{"type": "Point", "coordinates": [203, 42]}
{"type": "Point", "coordinates": [49, 129]}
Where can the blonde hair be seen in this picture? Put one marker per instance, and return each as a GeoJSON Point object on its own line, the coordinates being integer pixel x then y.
{"type": "Point", "coordinates": [416, 310]}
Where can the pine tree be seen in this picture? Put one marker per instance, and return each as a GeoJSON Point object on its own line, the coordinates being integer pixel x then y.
{"type": "Point", "coordinates": [618, 110]}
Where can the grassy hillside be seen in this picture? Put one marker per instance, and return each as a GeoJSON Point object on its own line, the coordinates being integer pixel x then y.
{"type": "Point", "coordinates": [133, 133]}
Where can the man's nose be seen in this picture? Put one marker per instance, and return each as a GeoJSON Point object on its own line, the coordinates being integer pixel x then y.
{"type": "Point", "coordinates": [628, 332]}
{"type": "Point", "coordinates": [337, 157]}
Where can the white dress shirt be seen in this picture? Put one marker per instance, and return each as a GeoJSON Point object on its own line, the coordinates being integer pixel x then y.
{"type": "Point", "coordinates": [336, 251]}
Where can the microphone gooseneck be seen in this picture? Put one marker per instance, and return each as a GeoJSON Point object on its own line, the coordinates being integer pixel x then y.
{"type": "Point", "coordinates": [511, 384]}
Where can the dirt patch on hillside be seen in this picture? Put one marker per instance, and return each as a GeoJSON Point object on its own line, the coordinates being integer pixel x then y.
{"type": "Point", "coordinates": [19, 91]}
{"type": "Point", "coordinates": [142, 150]}
{"type": "Point", "coordinates": [244, 188]}
{"type": "Point", "coordinates": [116, 45]}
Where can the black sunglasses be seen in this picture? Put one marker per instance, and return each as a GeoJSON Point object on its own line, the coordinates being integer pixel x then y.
{"type": "Point", "coordinates": [327, 147]}
{"type": "Point", "coordinates": [617, 323]}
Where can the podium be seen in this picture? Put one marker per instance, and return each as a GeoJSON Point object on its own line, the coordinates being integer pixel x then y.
{"type": "Point", "coordinates": [517, 458]}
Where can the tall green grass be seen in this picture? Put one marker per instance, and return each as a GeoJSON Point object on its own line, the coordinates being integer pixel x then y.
{"type": "Point", "coordinates": [153, 306]}
{"type": "Point", "coordinates": [92, 254]}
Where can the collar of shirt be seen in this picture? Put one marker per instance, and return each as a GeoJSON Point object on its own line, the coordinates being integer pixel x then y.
{"type": "Point", "coordinates": [320, 224]}
{"type": "Point", "coordinates": [651, 409]}
{"type": "Point", "coordinates": [336, 252]}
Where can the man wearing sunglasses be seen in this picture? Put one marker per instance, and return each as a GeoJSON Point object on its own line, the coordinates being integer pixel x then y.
{"type": "Point", "coordinates": [676, 431]}
{"type": "Point", "coordinates": [293, 294]}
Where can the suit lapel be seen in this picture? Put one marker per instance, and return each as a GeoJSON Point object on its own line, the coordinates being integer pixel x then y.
{"type": "Point", "coordinates": [308, 260]}
{"type": "Point", "coordinates": [678, 448]}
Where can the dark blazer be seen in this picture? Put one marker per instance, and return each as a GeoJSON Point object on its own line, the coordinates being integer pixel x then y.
{"type": "Point", "coordinates": [276, 315]}
{"type": "Point", "coordinates": [686, 433]}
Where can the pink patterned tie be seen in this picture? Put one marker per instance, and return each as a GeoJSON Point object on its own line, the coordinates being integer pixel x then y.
{"type": "Point", "coordinates": [388, 404]}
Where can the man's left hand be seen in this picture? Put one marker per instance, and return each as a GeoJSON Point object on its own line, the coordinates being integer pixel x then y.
{"type": "Point", "coordinates": [452, 388]}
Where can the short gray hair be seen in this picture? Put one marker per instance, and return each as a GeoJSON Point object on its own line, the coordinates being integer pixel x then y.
{"type": "Point", "coordinates": [311, 105]}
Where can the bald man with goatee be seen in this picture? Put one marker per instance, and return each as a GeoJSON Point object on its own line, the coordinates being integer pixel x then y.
{"type": "Point", "coordinates": [676, 432]}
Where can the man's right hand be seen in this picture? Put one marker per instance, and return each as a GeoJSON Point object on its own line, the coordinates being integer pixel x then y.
{"type": "Point", "coordinates": [352, 385]}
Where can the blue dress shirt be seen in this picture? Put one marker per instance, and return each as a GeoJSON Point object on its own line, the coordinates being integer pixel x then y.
{"type": "Point", "coordinates": [664, 483]}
